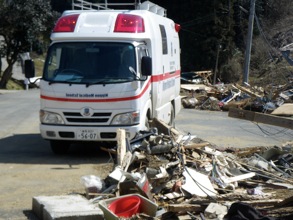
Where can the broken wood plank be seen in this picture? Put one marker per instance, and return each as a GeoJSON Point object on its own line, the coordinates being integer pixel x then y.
{"type": "Point", "coordinates": [126, 161]}
{"type": "Point", "coordinates": [185, 208]}
{"type": "Point", "coordinates": [263, 202]}
{"type": "Point", "coordinates": [285, 202]}
{"type": "Point", "coordinates": [109, 150]}
{"type": "Point", "coordinates": [261, 118]}
{"type": "Point", "coordinates": [121, 149]}
{"type": "Point", "coordinates": [194, 87]}
{"type": "Point", "coordinates": [204, 74]}
{"type": "Point", "coordinates": [245, 198]}
{"type": "Point", "coordinates": [237, 178]}
{"type": "Point", "coordinates": [196, 145]}
{"type": "Point", "coordinates": [109, 195]}
{"type": "Point", "coordinates": [285, 110]}
{"type": "Point", "coordinates": [277, 211]}
{"type": "Point", "coordinates": [246, 90]}
{"type": "Point", "coordinates": [164, 128]}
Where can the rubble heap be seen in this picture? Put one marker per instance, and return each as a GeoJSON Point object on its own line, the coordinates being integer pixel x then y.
{"type": "Point", "coordinates": [189, 178]}
{"type": "Point", "coordinates": [201, 94]}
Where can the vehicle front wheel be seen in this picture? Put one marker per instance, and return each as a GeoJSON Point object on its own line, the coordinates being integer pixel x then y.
{"type": "Point", "coordinates": [147, 123]}
{"type": "Point", "coordinates": [59, 147]}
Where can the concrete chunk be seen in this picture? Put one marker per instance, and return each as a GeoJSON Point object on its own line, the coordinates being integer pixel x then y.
{"type": "Point", "coordinates": [215, 210]}
{"type": "Point", "coordinates": [67, 207]}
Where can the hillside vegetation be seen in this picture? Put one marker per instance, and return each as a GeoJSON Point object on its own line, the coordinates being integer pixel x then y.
{"type": "Point", "coordinates": [210, 24]}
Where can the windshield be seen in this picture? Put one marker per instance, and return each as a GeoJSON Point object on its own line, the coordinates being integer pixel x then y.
{"type": "Point", "coordinates": [90, 63]}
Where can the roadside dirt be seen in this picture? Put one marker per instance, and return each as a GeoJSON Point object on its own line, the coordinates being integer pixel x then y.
{"type": "Point", "coordinates": [26, 174]}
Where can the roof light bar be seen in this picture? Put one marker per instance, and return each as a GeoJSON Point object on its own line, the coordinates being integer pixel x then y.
{"type": "Point", "coordinates": [129, 23]}
{"type": "Point", "coordinates": [66, 23]}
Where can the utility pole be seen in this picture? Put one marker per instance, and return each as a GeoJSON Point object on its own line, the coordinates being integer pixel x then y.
{"type": "Point", "coordinates": [216, 66]}
{"type": "Point", "coordinates": [249, 42]}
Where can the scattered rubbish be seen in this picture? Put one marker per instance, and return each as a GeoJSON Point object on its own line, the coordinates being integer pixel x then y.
{"type": "Point", "coordinates": [284, 110]}
{"type": "Point", "coordinates": [191, 178]}
{"type": "Point", "coordinates": [163, 174]}
{"type": "Point", "coordinates": [197, 184]}
{"type": "Point", "coordinates": [93, 184]}
{"type": "Point", "coordinates": [199, 93]}
{"type": "Point", "coordinates": [195, 77]}
{"type": "Point", "coordinates": [255, 191]}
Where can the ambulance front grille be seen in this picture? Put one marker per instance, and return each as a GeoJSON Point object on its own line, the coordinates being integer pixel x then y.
{"type": "Point", "coordinates": [97, 117]}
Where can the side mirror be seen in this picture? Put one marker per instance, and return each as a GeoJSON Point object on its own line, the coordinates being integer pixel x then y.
{"type": "Point", "coordinates": [146, 66]}
{"type": "Point", "coordinates": [29, 68]}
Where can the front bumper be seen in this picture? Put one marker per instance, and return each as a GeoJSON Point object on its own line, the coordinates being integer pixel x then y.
{"type": "Point", "coordinates": [79, 133]}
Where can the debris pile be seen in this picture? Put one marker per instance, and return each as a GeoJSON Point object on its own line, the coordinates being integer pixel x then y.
{"type": "Point", "coordinates": [189, 178]}
{"type": "Point", "coordinates": [199, 93]}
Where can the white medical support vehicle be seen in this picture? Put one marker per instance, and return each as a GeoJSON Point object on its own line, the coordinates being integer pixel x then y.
{"type": "Point", "coordinates": [109, 69]}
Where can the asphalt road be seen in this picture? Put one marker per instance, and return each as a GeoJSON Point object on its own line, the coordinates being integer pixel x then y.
{"type": "Point", "coordinates": [28, 168]}
{"type": "Point", "coordinates": [217, 128]}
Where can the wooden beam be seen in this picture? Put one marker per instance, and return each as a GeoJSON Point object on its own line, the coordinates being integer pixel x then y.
{"type": "Point", "coordinates": [196, 145]}
{"type": "Point", "coordinates": [194, 87]}
{"type": "Point", "coordinates": [164, 128]}
{"type": "Point", "coordinates": [261, 118]}
{"type": "Point", "coordinates": [246, 90]}
{"type": "Point", "coordinates": [185, 208]}
{"type": "Point", "coordinates": [264, 202]}
{"type": "Point", "coordinates": [284, 110]}
{"type": "Point", "coordinates": [285, 202]}
{"type": "Point", "coordinates": [121, 149]}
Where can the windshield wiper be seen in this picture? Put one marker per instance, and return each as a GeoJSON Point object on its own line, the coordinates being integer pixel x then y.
{"type": "Point", "coordinates": [94, 82]}
{"type": "Point", "coordinates": [74, 79]}
{"type": "Point", "coordinates": [109, 81]}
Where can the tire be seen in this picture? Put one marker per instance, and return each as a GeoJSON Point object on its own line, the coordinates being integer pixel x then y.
{"type": "Point", "coordinates": [172, 117]}
{"type": "Point", "coordinates": [147, 123]}
{"type": "Point", "coordinates": [60, 147]}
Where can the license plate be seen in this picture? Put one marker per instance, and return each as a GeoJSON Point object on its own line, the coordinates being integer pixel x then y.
{"type": "Point", "coordinates": [87, 135]}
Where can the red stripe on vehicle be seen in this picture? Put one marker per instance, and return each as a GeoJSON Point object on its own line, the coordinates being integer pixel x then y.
{"type": "Point", "coordinates": [165, 76]}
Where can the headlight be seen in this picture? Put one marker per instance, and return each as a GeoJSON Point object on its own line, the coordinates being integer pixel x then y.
{"type": "Point", "coordinates": [129, 118]}
{"type": "Point", "coordinates": [50, 118]}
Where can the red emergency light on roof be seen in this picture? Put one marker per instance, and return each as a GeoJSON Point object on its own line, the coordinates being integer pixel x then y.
{"type": "Point", "coordinates": [129, 23]}
{"type": "Point", "coordinates": [177, 27]}
{"type": "Point", "coordinates": [66, 23]}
